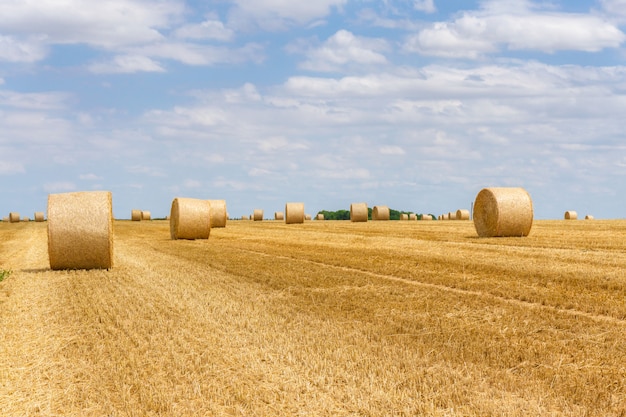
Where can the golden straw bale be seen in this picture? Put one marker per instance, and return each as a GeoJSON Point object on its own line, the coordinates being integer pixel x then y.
{"type": "Point", "coordinates": [279, 215]}
{"type": "Point", "coordinates": [244, 217]}
{"type": "Point", "coordinates": [25, 219]}
{"type": "Point", "coordinates": [380, 213]}
{"type": "Point", "coordinates": [294, 213]}
{"type": "Point", "coordinates": [358, 212]}
{"type": "Point", "coordinates": [5, 219]}
{"type": "Point", "coordinates": [135, 215]}
{"type": "Point", "coordinates": [427, 217]}
{"type": "Point", "coordinates": [257, 215]}
{"type": "Point", "coordinates": [39, 216]}
{"type": "Point", "coordinates": [307, 217]}
{"type": "Point", "coordinates": [320, 216]}
{"type": "Point", "coordinates": [451, 216]}
{"type": "Point", "coordinates": [190, 218]}
{"type": "Point", "coordinates": [462, 214]}
{"type": "Point", "coordinates": [503, 212]}
{"type": "Point", "coordinates": [412, 216]}
{"type": "Point", "coordinates": [403, 216]}
{"type": "Point", "coordinates": [14, 217]}
{"type": "Point", "coordinates": [588, 217]}
{"type": "Point", "coordinates": [146, 215]}
{"type": "Point", "coordinates": [219, 214]}
{"type": "Point", "coordinates": [571, 215]}
{"type": "Point", "coordinates": [80, 230]}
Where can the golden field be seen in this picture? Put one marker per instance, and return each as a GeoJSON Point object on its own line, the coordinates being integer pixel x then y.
{"type": "Point", "coordinates": [319, 319]}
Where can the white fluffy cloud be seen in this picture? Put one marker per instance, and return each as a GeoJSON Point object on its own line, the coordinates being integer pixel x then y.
{"type": "Point", "coordinates": [280, 14]}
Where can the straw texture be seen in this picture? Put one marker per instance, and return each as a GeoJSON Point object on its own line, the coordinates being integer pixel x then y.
{"type": "Point", "coordinates": [190, 218]}
{"type": "Point", "coordinates": [279, 215]}
{"type": "Point", "coordinates": [502, 212]}
{"type": "Point", "coordinates": [80, 230]}
{"type": "Point", "coordinates": [294, 213]}
{"type": "Point", "coordinates": [462, 214]}
{"type": "Point", "coordinates": [14, 217]}
{"type": "Point", "coordinates": [135, 215]}
{"type": "Point", "coordinates": [571, 215]}
{"type": "Point", "coordinates": [358, 212]}
{"type": "Point", "coordinates": [257, 215]}
{"type": "Point", "coordinates": [146, 215]}
{"type": "Point", "coordinates": [380, 213]}
{"type": "Point", "coordinates": [219, 214]}
{"type": "Point", "coordinates": [39, 216]}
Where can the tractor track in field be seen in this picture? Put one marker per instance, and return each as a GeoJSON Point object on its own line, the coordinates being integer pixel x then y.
{"type": "Point", "coordinates": [456, 290]}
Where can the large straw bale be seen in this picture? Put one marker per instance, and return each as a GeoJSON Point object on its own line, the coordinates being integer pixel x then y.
{"type": "Point", "coordinates": [358, 212]}
{"type": "Point", "coordinates": [80, 230]}
{"type": "Point", "coordinates": [14, 217]}
{"type": "Point", "coordinates": [135, 215]}
{"type": "Point", "coordinates": [279, 215]}
{"type": "Point", "coordinates": [146, 215]}
{"type": "Point", "coordinates": [294, 213]}
{"type": "Point", "coordinates": [571, 215]}
{"type": "Point", "coordinates": [257, 215]}
{"type": "Point", "coordinates": [380, 213]}
{"type": "Point", "coordinates": [190, 218]}
{"type": "Point", "coordinates": [462, 214]}
{"type": "Point", "coordinates": [502, 212]}
{"type": "Point", "coordinates": [219, 214]}
{"type": "Point", "coordinates": [39, 216]}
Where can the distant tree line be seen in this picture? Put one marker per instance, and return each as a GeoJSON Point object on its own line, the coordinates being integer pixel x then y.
{"type": "Point", "coordinates": [345, 214]}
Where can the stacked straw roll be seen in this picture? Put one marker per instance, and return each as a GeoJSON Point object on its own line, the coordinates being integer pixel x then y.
{"type": "Point", "coordinates": [380, 213]}
{"type": "Point", "coordinates": [190, 218]}
{"type": "Point", "coordinates": [358, 212]}
{"type": "Point", "coordinates": [462, 214]}
{"type": "Point", "coordinates": [571, 215]}
{"type": "Point", "coordinates": [135, 215]}
{"type": "Point", "coordinates": [257, 215]}
{"type": "Point", "coordinates": [219, 214]}
{"type": "Point", "coordinates": [279, 215]}
{"type": "Point", "coordinates": [503, 212]}
{"type": "Point", "coordinates": [14, 217]}
{"type": "Point", "coordinates": [39, 216]}
{"type": "Point", "coordinates": [294, 213]}
{"type": "Point", "coordinates": [80, 230]}
{"type": "Point", "coordinates": [146, 215]}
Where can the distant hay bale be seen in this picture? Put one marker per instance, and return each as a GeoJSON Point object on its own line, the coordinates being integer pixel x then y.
{"type": "Point", "coordinates": [80, 230]}
{"type": "Point", "coordinates": [14, 217]}
{"type": "Point", "coordinates": [307, 217]}
{"type": "Point", "coordinates": [380, 213]}
{"type": "Point", "coordinates": [257, 215]}
{"type": "Point", "coordinates": [279, 215]}
{"type": "Point", "coordinates": [358, 212]}
{"type": "Point", "coordinates": [462, 214]}
{"type": "Point", "coordinates": [219, 214]}
{"type": "Point", "coordinates": [451, 216]}
{"type": "Point", "coordinates": [135, 215]}
{"type": "Point", "coordinates": [39, 216]}
{"type": "Point", "coordinates": [25, 219]}
{"type": "Point", "coordinates": [244, 217]}
{"type": "Point", "coordinates": [320, 216]}
{"type": "Point", "coordinates": [294, 213]}
{"type": "Point", "coordinates": [404, 216]}
{"type": "Point", "coordinates": [146, 215]}
{"type": "Point", "coordinates": [503, 212]}
{"type": "Point", "coordinates": [5, 219]}
{"type": "Point", "coordinates": [571, 215]}
{"type": "Point", "coordinates": [412, 216]}
{"type": "Point", "coordinates": [190, 218]}
{"type": "Point", "coordinates": [588, 217]}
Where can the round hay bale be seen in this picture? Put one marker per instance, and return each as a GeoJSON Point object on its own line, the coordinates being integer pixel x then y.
{"type": "Point", "coordinates": [412, 216]}
{"type": "Point", "coordinates": [14, 217]}
{"type": "Point", "coordinates": [25, 219]}
{"type": "Point", "coordinates": [219, 215]}
{"type": "Point", "coordinates": [320, 216]}
{"type": "Point", "coordinates": [427, 217]}
{"type": "Point", "coordinates": [190, 218]}
{"type": "Point", "coordinates": [257, 215]}
{"type": "Point", "coordinates": [358, 212]}
{"type": "Point", "coordinates": [403, 216]}
{"type": "Point", "coordinates": [571, 215]}
{"type": "Point", "coordinates": [588, 217]}
{"type": "Point", "coordinates": [380, 213]}
{"type": "Point", "coordinates": [80, 230]}
{"type": "Point", "coordinates": [39, 216]}
{"type": "Point", "coordinates": [279, 215]}
{"type": "Point", "coordinates": [462, 214]}
{"type": "Point", "coordinates": [146, 215]}
{"type": "Point", "coordinates": [451, 216]}
{"type": "Point", "coordinates": [294, 213]}
{"type": "Point", "coordinates": [307, 217]}
{"type": "Point", "coordinates": [135, 215]}
{"type": "Point", "coordinates": [503, 212]}
{"type": "Point", "coordinates": [244, 217]}
{"type": "Point", "coordinates": [5, 219]}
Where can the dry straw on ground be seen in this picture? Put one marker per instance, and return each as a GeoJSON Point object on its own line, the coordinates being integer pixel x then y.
{"type": "Point", "coordinates": [279, 215]}
{"type": "Point", "coordinates": [358, 212]}
{"type": "Point", "coordinates": [294, 213]}
{"type": "Point", "coordinates": [219, 214]}
{"type": "Point", "coordinates": [257, 215]}
{"type": "Point", "coordinates": [135, 215]}
{"type": "Point", "coordinates": [190, 218]}
{"type": "Point", "coordinates": [14, 217]}
{"type": "Point", "coordinates": [503, 211]}
{"type": "Point", "coordinates": [380, 213]}
{"type": "Point", "coordinates": [39, 216]}
{"type": "Point", "coordinates": [571, 215]}
{"type": "Point", "coordinates": [146, 215]}
{"type": "Point", "coordinates": [462, 214]}
{"type": "Point", "coordinates": [80, 230]}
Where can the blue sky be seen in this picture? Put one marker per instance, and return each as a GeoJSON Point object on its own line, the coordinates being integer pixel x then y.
{"type": "Point", "coordinates": [413, 104]}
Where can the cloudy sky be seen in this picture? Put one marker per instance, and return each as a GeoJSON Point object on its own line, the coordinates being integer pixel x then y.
{"type": "Point", "coordinates": [414, 104]}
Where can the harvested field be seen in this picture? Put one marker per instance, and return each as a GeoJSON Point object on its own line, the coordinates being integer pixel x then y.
{"type": "Point", "coordinates": [321, 319]}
